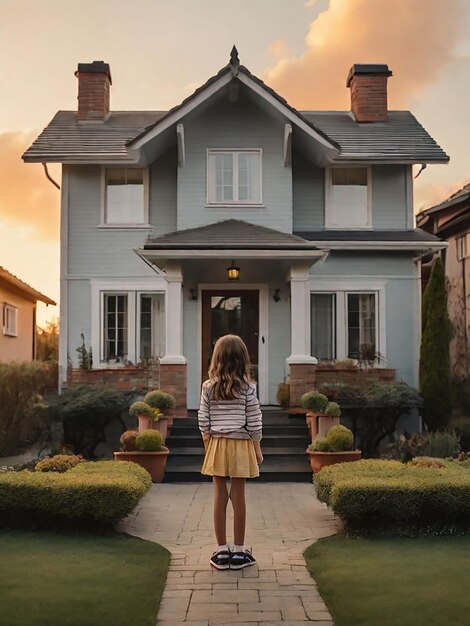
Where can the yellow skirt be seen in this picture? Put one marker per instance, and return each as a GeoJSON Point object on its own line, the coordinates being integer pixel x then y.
{"type": "Point", "coordinates": [230, 457]}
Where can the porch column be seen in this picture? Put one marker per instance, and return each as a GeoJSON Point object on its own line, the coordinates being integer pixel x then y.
{"type": "Point", "coordinates": [302, 365]}
{"type": "Point", "coordinates": [174, 315]}
{"type": "Point", "coordinates": [300, 314]}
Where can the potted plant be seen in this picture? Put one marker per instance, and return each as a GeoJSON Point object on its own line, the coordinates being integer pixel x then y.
{"type": "Point", "coordinates": [147, 450]}
{"type": "Point", "coordinates": [315, 403]}
{"type": "Point", "coordinates": [336, 447]}
{"type": "Point", "coordinates": [149, 417]}
{"type": "Point", "coordinates": [163, 402]}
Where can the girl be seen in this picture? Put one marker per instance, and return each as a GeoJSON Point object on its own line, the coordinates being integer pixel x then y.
{"type": "Point", "coordinates": [230, 424]}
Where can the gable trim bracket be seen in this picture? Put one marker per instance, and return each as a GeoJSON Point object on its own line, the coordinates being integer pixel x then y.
{"type": "Point", "coordinates": [287, 145]}
{"type": "Point", "coordinates": [181, 146]}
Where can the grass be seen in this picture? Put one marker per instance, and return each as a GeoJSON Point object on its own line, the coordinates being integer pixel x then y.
{"type": "Point", "coordinates": [79, 579]}
{"type": "Point", "coordinates": [393, 582]}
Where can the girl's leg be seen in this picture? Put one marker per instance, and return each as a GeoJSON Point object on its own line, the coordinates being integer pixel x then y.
{"type": "Point", "coordinates": [220, 509]}
{"type": "Point", "coordinates": [237, 496]}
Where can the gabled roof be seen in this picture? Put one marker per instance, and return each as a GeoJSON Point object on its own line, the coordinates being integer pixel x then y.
{"type": "Point", "coordinates": [229, 234]}
{"type": "Point", "coordinates": [19, 285]}
{"type": "Point", "coordinates": [400, 139]}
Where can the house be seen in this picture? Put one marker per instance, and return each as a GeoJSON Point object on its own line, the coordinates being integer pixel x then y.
{"type": "Point", "coordinates": [18, 301]}
{"type": "Point", "coordinates": [234, 212]}
{"type": "Point", "coordinates": [450, 220]}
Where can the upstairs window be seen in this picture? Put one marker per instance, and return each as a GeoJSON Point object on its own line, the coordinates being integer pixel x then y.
{"type": "Point", "coordinates": [125, 197]}
{"type": "Point", "coordinates": [463, 246]}
{"type": "Point", "coordinates": [348, 198]}
{"type": "Point", "coordinates": [10, 320]}
{"type": "Point", "coordinates": [234, 177]}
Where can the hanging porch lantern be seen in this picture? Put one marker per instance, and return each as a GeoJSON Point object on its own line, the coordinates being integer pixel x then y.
{"type": "Point", "coordinates": [233, 272]}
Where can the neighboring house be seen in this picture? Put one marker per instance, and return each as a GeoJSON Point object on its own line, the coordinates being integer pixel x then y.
{"type": "Point", "coordinates": [450, 220]}
{"type": "Point", "coordinates": [18, 301]}
{"type": "Point", "coordinates": [234, 212]}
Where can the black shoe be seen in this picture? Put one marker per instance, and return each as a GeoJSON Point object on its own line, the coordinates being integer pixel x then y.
{"type": "Point", "coordinates": [239, 560]}
{"type": "Point", "coordinates": [220, 560]}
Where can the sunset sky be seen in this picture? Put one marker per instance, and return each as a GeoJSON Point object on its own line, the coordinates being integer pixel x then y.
{"type": "Point", "coordinates": [161, 50]}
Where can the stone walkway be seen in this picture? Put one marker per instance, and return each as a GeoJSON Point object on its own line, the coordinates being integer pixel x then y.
{"type": "Point", "coordinates": [282, 520]}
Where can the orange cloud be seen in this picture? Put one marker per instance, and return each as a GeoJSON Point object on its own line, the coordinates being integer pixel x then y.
{"type": "Point", "coordinates": [26, 196]}
{"type": "Point", "coordinates": [415, 38]}
{"type": "Point", "coordinates": [434, 193]}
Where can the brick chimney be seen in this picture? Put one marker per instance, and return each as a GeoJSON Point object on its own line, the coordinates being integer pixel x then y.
{"type": "Point", "coordinates": [94, 81]}
{"type": "Point", "coordinates": [368, 84]}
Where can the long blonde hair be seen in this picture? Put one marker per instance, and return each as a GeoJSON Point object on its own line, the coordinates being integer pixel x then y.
{"type": "Point", "coordinates": [230, 368]}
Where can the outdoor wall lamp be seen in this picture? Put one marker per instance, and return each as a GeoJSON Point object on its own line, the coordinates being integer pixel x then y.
{"type": "Point", "coordinates": [233, 272]}
{"type": "Point", "coordinates": [277, 295]}
{"type": "Point", "coordinates": [193, 294]}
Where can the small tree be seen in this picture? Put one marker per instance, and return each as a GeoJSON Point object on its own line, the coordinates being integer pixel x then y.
{"type": "Point", "coordinates": [48, 341]}
{"type": "Point", "coordinates": [434, 371]}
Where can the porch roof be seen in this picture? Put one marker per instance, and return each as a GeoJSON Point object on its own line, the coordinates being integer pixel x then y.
{"type": "Point", "coordinates": [223, 239]}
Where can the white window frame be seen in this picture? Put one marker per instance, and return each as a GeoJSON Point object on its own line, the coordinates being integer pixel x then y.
{"type": "Point", "coordinates": [334, 325]}
{"type": "Point", "coordinates": [209, 177]}
{"type": "Point", "coordinates": [8, 330]}
{"type": "Point", "coordinates": [133, 288]}
{"type": "Point", "coordinates": [330, 215]}
{"type": "Point", "coordinates": [139, 295]}
{"type": "Point", "coordinates": [462, 244]}
{"type": "Point", "coordinates": [342, 288]}
{"type": "Point", "coordinates": [134, 226]}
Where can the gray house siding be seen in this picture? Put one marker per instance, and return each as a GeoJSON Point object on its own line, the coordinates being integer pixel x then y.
{"type": "Point", "coordinates": [389, 201]}
{"type": "Point", "coordinates": [79, 317]}
{"type": "Point", "coordinates": [308, 194]}
{"type": "Point", "coordinates": [237, 125]}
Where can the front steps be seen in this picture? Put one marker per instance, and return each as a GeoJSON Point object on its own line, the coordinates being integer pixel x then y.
{"type": "Point", "coordinates": [285, 440]}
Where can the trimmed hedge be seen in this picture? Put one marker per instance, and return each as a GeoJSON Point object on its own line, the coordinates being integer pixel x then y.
{"type": "Point", "coordinates": [94, 493]}
{"type": "Point", "coordinates": [374, 496]}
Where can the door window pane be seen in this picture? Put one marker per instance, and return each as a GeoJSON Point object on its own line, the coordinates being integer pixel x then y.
{"type": "Point", "coordinates": [323, 326]}
{"type": "Point", "coordinates": [361, 325]}
{"type": "Point", "coordinates": [115, 326]}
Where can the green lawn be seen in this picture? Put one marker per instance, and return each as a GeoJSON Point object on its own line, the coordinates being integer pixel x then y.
{"type": "Point", "coordinates": [79, 579]}
{"type": "Point", "coordinates": [394, 582]}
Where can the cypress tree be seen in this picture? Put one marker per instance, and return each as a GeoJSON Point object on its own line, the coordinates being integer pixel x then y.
{"type": "Point", "coordinates": [434, 366]}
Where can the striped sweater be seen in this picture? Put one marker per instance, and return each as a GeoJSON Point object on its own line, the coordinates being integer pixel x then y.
{"type": "Point", "coordinates": [239, 418]}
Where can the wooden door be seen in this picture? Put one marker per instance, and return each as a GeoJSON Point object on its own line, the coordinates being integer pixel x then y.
{"type": "Point", "coordinates": [234, 312]}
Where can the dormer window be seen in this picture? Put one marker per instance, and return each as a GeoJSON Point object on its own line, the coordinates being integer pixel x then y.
{"type": "Point", "coordinates": [347, 201]}
{"type": "Point", "coordinates": [234, 177]}
{"type": "Point", "coordinates": [125, 197]}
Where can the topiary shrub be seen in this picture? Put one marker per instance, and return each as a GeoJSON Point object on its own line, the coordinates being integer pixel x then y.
{"type": "Point", "coordinates": [141, 408]}
{"type": "Point", "coordinates": [340, 438]}
{"type": "Point", "coordinates": [320, 445]}
{"type": "Point", "coordinates": [283, 395]}
{"type": "Point", "coordinates": [332, 409]}
{"type": "Point", "coordinates": [314, 401]}
{"type": "Point", "coordinates": [58, 463]}
{"type": "Point", "coordinates": [149, 441]}
{"type": "Point", "coordinates": [160, 400]}
{"type": "Point", "coordinates": [127, 440]}
{"type": "Point", "coordinates": [101, 492]}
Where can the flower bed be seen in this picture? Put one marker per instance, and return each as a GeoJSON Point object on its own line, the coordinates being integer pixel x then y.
{"type": "Point", "coordinates": [374, 496]}
{"type": "Point", "coordinates": [100, 493]}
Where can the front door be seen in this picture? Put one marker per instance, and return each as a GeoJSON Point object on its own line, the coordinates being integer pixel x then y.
{"type": "Point", "coordinates": [234, 312]}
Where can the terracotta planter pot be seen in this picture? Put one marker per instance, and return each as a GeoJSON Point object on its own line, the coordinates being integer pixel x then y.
{"type": "Point", "coordinates": [146, 423]}
{"type": "Point", "coordinates": [322, 459]}
{"type": "Point", "coordinates": [153, 462]}
{"type": "Point", "coordinates": [312, 418]}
